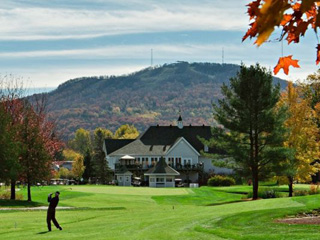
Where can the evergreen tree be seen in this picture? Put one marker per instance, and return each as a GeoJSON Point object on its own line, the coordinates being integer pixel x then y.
{"type": "Point", "coordinates": [88, 171]}
{"type": "Point", "coordinates": [252, 132]}
{"type": "Point", "coordinates": [100, 164]}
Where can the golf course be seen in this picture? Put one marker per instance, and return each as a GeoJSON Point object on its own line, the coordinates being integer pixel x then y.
{"type": "Point", "coordinates": [110, 212]}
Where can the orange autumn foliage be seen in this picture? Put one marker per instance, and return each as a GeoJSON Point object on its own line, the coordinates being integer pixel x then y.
{"type": "Point", "coordinates": [284, 63]}
{"type": "Point", "coordinates": [293, 17]}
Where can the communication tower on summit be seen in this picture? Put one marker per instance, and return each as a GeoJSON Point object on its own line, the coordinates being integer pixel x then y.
{"type": "Point", "coordinates": [222, 55]}
{"type": "Point", "coordinates": [151, 62]}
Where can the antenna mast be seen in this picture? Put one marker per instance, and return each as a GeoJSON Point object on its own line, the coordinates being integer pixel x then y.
{"type": "Point", "coordinates": [151, 57]}
{"type": "Point", "coordinates": [222, 55]}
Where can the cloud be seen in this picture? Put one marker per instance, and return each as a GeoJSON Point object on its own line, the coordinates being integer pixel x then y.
{"type": "Point", "coordinates": [129, 51]}
{"type": "Point", "coordinates": [32, 22]}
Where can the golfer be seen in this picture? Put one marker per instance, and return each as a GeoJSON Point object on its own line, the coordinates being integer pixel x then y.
{"type": "Point", "coordinates": [52, 210]}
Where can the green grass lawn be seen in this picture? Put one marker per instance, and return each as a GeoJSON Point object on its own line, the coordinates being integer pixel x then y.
{"type": "Point", "coordinates": [107, 212]}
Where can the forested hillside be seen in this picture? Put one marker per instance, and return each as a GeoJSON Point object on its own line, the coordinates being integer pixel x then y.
{"type": "Point", "coordinates": [148, 97]}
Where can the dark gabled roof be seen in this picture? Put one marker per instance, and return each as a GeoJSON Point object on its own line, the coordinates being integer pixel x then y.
{"type": "Point", "coordinates": [157, 140]}
{"type": "Point", "coordinates": [168, 135]}
{"type": "Point", "coordinates": [115, 144]}
{"type": "Point", "coordinates": [138, 148]}
{"type": "Point", "coordinates": [162, 168]}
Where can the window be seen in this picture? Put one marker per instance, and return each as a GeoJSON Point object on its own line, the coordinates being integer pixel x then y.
{"type": "Point", "coordinates": [169, 179]}
{"type": "Point", "coordinates": [160, 179]}
{"type": "Point", "coordinates": [127, 179]}
{"type": "Point", "coordinates": [151, 180]}
{"type": "Point", "coordinates": [120, 178]}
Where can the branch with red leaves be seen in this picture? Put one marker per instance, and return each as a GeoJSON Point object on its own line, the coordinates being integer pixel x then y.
{"type": "Point", "coordinates": [293, 17]}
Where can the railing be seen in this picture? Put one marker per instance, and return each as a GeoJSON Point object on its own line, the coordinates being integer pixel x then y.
{"type": "Point", "coordinates": [178, 167]}
{"type": "Point", "coordinates": [188, 167]}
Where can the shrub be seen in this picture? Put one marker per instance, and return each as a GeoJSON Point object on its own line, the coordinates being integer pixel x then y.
{"type": "Point", "coordinates": [221, 181]}
{"type": "Point", "coordinates": [314, 189]}
{"type": "Point", "coordinates": [6, 195]}
{"type": "Point", "coordinates": [266, 193]}
{"type": "Point", "coordinates": [301, 193]}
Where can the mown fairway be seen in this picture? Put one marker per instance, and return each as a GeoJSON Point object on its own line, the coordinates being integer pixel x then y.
{"type": "Point", "coordinates": [105, 212]}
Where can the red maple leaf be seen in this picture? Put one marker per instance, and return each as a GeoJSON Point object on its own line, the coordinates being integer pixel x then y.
{"type": "Point", "coordinates": [285, 63]}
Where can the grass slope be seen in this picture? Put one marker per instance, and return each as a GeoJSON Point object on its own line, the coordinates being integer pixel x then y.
{"type": "Point", "coordinates": [105, 212]}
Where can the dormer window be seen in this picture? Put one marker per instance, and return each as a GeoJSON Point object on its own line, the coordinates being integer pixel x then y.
{"type": "Point", "coordinates": [206, 149]}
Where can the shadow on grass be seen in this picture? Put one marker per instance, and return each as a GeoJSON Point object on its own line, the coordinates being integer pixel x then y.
{"type": "Point", "coordinates": [19, 203]}
{"type": "Point", "coordinates": [93, 209]}
{"type": "Point", "coordinates": [43, 232]}
{"type": "Point", "coordinates": [223, 203]}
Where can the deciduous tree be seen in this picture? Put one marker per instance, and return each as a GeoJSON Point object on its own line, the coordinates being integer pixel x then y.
{"type": "Point", "coordinates": [302, 137]}
{"type": "Point", "coordinates": [9, 148]}
{"type": "Point", "coordinates": [78, 167]}
{"type": "Point", "coordinates": [11, 90]}
{"type": "Point", "coordinates": [82, 141]}
{"type": "Point", "coordinates": [126, 132]}
{"type": "Point", "coordinates": [39, 144]}
{"type": "Point", "coordinates": [70, 155]}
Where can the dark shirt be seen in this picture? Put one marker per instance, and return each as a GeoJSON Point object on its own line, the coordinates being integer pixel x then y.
{"type": "Point", "coordinates": [53, 202]}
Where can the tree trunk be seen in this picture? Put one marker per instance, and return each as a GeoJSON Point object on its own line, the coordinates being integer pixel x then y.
{"type": "Point", "coordinates": [13, 189]}
{"type": "Point", "coordinates": [290, 186]}
{"type": "Point", "coordinates": [29, 191]}
{"type": "Point", "coordinates": [255, 184]}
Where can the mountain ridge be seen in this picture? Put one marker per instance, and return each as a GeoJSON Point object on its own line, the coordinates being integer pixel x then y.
{"type": "Point", "coordinates": [151, 96]}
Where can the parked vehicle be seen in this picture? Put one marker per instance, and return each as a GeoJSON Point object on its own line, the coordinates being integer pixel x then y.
{"type": "Point", "coordinates": [137, 182]}
{"type": "Point", "coordinates": [178, 182]}
{"type": "Point", "coordinates": [72, 182]}
{"type": "Point", "coordinates": [58, 181]}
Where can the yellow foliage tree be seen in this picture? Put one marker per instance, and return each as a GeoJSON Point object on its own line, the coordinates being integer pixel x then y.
{"type": "Point", "coordinates": [81, 141]}
{"type": "Point", "coordinates": [78, 167]}
{"type": "Point", "coordinates": [302, 137]}
{"type": "Point", "coordinates": [126, 132]}
{"type": "Point", "coordinates": [70, 155]}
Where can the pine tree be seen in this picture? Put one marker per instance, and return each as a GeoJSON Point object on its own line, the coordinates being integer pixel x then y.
{"type": "Point", "coordinates": [251, 128]}
{"type": "Point", "coordinates": [88, 171]}
{"type": "Point", "coordinates": [100, 164]}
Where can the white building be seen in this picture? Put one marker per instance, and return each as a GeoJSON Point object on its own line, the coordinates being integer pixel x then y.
{"type": "Point", "coordinates": [180, 146]}
{"type": "Point", "coordinates": [161, 175]}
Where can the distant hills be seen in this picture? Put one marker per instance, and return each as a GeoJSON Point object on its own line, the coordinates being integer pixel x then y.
{"type": "Point", "coordinates": [151, 96]}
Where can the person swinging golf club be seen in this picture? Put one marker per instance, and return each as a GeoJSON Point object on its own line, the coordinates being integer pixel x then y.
{"type": "Point", "coordinates": [52, 210]}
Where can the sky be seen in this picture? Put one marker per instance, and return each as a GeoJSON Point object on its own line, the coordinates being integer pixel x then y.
{"type": "Point", "coordinates": [47, 42]}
